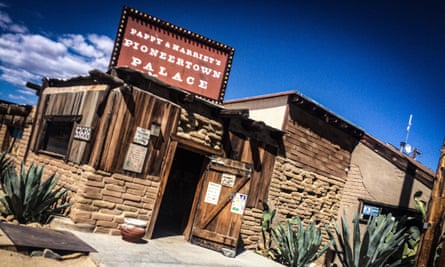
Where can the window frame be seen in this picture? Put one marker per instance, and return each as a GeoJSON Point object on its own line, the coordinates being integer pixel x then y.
{"type": "Point", "coordinates": [43, 135]}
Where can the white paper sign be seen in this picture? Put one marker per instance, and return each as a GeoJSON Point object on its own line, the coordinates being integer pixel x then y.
{"type": "Point", "coordinates": [142, 136]}
{"type": "Point", "coordinates": [238, 203]}
{"type": "Point", "coordinates": [212, 194]}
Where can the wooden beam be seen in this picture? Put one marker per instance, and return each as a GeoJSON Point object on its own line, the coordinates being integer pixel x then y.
{"type": "Point", "coordinates": [434, 217]}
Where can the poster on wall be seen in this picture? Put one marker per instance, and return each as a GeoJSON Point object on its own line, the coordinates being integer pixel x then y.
{"type": "Point", "coordinates": [135, 159]}
{"type": "Point", "coordinates": [212, 194]}
{"type": "Point", "coordinates": [238, 203]}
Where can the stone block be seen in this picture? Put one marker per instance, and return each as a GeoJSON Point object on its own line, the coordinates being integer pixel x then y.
{"type": "Point", "coordinates": [110, 211]}
{"type": "Point", "coordinates": [123, 177]}
{"type": "Point", "coordinates": [115, 232]}
{"type": "Point", "coordinates": [110, 180]}
{"type": "Point", "coordinates": [130, 215]}
{"type": "Point", "coordinates": [92, 193]}
{"type": "Point", "coordinates": [106, 224]}
{"type": "Point", "coordinates": [148, 206]}
{"type": "Point", "coordinates": [94, 177]}
{"type": "Point", "coordinates": [111, 193]}
{"type": "Point", "coordinates": [113, 199]}
{"type": "Point", "coordinates": [135, 186]}
{"type": "Point", "coordinates": [104, 204]}
{"type": "Point", "coordinates": [102, 230]}
{"type": "Point", "coordinates": [126, 208]}
{"type": "Point", "coordinates": [131, 197]}
{"type": "Point", "coordinates": [135, 192]}
{"type": "Point", "coordinates": [133, 203]}
{"type": "Point", "coordinates": [112, 187]}
{"type": "Point", "coordinates": [93, 183]}
{"type": "Point", "coordinates": [86, 207]}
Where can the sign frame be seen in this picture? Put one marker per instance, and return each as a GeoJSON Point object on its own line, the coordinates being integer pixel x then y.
{"type": "Point", "coordinates": [198, 64]}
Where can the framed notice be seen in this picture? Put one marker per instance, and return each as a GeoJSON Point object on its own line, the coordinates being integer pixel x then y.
{"type": "Point", "coordinates": [212, 194]}
{"type": "Point", "coordinates": [228, 179]}
{"type": "Point", "coordinates": [238, 203]}
{"type": "Point", "coordinates": [135, 159]}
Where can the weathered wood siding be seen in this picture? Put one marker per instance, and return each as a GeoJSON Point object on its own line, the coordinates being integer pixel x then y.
{"type": "Point", "coordinates": [81, 101]}
{"type": "Point", "coordinates": [261, 157]}
{"type": "Point", "coordinates": [315, 145]}
{"type": "Point", "coordinates": [124, 113]}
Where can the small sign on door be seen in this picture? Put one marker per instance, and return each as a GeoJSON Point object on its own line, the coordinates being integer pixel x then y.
{"type": "Point", "coordinates": [212, 194]}
{"type": "Point", "coordinates": [238, 203]}
{"type": "Point", "coordinates": [228, 179]}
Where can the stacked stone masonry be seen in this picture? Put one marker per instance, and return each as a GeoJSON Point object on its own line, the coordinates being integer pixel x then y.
{"type": "Point", "coordinates": [200, 129]}
{"type": "Point", "coordinates": [99, 198]}
{"type": "Point", "coordinates": [295, 192]}
{"type": "Point", "coordinates": [106, 199]}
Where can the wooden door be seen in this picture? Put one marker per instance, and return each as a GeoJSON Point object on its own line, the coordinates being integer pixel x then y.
{"type": "Point", "coordinates": [220, 204]}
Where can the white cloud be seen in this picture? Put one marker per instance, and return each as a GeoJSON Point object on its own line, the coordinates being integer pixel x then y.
{"type": "Point", "coordinates": [7, 24]}
{"type": "Point", "coordinates": [28, 56]}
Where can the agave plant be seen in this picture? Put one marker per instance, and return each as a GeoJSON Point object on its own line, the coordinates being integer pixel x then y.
{"type": "Point", "coordinates": [380, 241]}
{"type": "Point", "coordinates": [27, 198]}
{"type": "Point", "coordinates": [300, 248]}
{"type": "Point", "coordinates": [266, 231]}
{"type": "Point", "coordinates": [5, 164]}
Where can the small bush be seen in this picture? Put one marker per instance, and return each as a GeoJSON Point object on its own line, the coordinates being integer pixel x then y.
{"type": "Point", "coordinates": [27, 198]}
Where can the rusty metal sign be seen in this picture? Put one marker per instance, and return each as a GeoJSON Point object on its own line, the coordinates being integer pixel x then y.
{"type": "Point", "coordinates": [172, 54]}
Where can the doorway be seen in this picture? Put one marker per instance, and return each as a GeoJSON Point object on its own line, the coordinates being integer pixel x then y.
{"type": "Point", "coordinates": [179, 193]}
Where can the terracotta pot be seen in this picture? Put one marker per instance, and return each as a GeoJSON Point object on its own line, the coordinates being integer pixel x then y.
{"type": "Point", "coordinates": [131, 233]}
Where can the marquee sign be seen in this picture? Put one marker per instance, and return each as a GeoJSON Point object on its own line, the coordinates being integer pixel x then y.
{"type": "Point", "coordinates": [172, 54]}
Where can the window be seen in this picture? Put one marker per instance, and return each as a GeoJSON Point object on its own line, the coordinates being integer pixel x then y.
{"type": "Point", "coordinates": [9, 142]}
{"type": "Point", "coordinates": [57, 135]}
{"type": "Point", "coordinates": [368, 209]}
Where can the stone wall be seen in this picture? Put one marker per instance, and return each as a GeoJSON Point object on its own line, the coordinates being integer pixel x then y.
{"type": "Point", "coordinates": [18, 151]}
{"type": "Point", "coordinates": [295, 192]}
{"type": "Point", "coordinates": [200, 129]}
{"type": "Point", "coordinates": [99, 198]}
{"type": "Point", "coordinates": [105, 199]}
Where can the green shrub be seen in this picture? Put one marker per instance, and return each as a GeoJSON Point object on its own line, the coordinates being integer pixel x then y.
{"type": "Point", "coordinates": [27, 198]}
{"type": "Point", "coordinates": [5, 164]}
{"type": "Point", "coordinates": [283, 244]}
{"type": "Point", "coordinates": [300, 248]}
{"type": "Point", "coordinates": [380, 241]}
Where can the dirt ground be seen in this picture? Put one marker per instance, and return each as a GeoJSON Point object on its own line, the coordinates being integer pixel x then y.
{"type": "Point", "coordinates": [10, 258]}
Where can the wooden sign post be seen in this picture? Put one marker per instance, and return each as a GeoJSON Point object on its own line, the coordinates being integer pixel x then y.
{"type": "Point", "coordinates": [434, 218]}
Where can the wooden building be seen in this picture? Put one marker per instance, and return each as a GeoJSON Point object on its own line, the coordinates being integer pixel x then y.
{"type": "Point", "coordinates": [128, 145]}
{"type": "Point", "coordinates": [154, 142]}
{"type": "Point", "coordinates": [15, 125]}
{"type": "Point", "coordinates": [330, 166]}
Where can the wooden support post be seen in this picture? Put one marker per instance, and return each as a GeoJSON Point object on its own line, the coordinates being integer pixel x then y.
{"type": "Point", "coordinates": [434, 217]}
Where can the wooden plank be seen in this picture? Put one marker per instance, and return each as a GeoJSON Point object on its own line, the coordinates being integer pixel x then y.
{"type": "Point", "coordinates": [216, 237]}
{"type": "Point", "coordinates": [164, 179]}
{"type": "Point", "coordinates": [224, 199]}
{"type": "Point", "coordinates": [196, 199]}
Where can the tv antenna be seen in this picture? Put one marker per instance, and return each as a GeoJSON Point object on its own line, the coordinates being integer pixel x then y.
{"type": "Point", "coordinates": [404, 146]}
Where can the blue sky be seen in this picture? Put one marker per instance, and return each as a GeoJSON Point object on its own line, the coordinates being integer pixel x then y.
{"type": "Point", "coordinates": [371, 62]}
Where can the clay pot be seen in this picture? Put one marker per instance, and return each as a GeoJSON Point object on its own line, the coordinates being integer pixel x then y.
{"type": "Point", "coordinates": [133, 230]}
